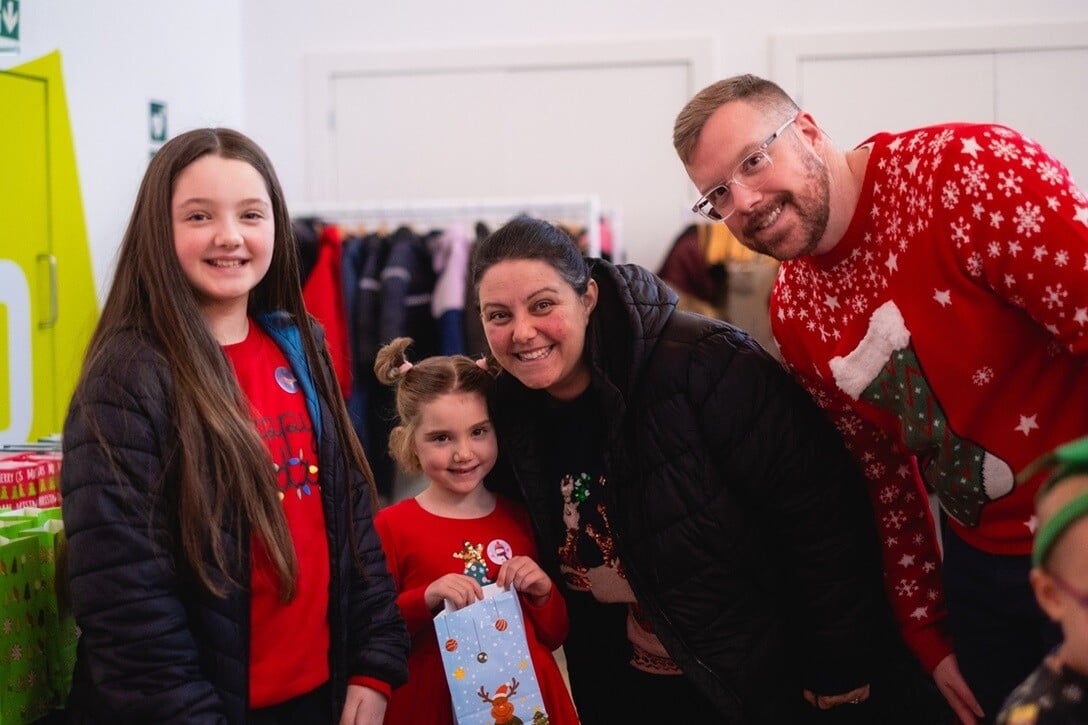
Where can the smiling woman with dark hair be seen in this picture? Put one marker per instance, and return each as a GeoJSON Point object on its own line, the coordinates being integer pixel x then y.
{"type": "Point", "coordinates": [711, 531]}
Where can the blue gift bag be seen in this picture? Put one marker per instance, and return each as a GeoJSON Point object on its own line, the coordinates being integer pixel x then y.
{"type": "Point", "coordinates": [488, 668]}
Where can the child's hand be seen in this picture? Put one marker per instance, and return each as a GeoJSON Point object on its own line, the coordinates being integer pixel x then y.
{"type": "Point", "coordinates": [526, 576]}
{"type": "Point", "coordinates": [459, 589]}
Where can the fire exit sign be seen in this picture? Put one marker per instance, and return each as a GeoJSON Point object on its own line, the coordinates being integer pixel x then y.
{"type": "Point", "coordinates": [9, 20]}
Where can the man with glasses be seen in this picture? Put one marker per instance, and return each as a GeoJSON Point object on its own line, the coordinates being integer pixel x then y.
{"type": "Point", "coordinates": [933, 299]}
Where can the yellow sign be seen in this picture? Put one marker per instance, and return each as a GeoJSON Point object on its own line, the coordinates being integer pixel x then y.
{"type": "Point", "coordinates": [48, 306]}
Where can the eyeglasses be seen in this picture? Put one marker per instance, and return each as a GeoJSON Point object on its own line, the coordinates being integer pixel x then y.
{"type": "Point", "coordinates": [1080, 597]}
{"type": "Point", "coordinates": [751, 173]}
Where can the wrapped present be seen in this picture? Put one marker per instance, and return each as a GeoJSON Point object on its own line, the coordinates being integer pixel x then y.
{"type": "Point", "coordinates": [17, 489]}
{"type": "Point", "coordinates": [25, 691]}
{"type": "Point", "coordinates": [62, 634]}
{"type": "Point", "coordinates": [30, 478]}
{"type": "Point", "coordinates": [486, 657]}
{"type": "Point", "coordinates": [28, 515]}
{"type": "Point", "coordinates": [47, 467]}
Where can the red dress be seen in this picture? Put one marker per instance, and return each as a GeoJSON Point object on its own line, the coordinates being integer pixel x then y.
{"type": "Point", "coordinates": [420, 547]}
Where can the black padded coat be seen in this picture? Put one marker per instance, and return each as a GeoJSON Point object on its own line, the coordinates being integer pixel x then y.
{"type": "Point", "coordinates": [156, 646]}
{"type": "Point", "coordinates": [740, 518]}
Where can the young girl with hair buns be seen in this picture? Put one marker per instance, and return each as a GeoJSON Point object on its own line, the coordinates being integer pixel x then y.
{"type": "Point", "coordinates": [455, 536]}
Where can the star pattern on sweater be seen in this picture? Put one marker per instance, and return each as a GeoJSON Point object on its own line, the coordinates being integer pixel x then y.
{"type": "Point", "coordinates": [1081, 215]}
{"type": "Point", "coordinates": [1027, 424]}
{"type": "Point", "coordinates": [971, 147]}
{"type": "Point", "coordinates": [1004, 209]}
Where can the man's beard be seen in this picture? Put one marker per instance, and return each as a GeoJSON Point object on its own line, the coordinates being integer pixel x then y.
{"type": "Point", "coordinates": [813, 210]}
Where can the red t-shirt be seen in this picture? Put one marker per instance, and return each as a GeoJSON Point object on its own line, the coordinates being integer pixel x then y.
{"type": "Point", "coordinates": [289, 643]}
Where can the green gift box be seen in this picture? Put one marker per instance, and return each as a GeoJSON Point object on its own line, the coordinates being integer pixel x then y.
{"type": "Point", "coordinates": [25, 691]}
{"type": "Point", "coordinates": [62, 635]}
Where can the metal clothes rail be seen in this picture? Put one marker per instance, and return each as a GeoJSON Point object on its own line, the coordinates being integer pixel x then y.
{"type": "Point", "coordinates": [585, 209]}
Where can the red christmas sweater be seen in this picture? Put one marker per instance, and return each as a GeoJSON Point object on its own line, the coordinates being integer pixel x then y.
{"type": "Point", "coordinates": [945, 337]}
{"type": "Point", "coordinates": [420, 547]}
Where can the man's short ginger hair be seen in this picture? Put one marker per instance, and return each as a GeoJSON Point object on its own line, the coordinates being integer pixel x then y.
{"type": "Point", "coordinates": [693, 117]}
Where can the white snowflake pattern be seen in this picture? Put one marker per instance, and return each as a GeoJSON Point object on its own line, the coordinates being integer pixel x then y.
{"type": "Point", "coordinates": [1050, 173]}
{"type": "Point", "coordinates": [874, 472]}
{"type": "Point", "coordinates": [993, 249]}
{"type": "Point", "coordinates": [983, 376]}
{"type": "Point", "coordinates": [1055, 296]}
{"type": "Point", "coordinates": [906, 587]}
{"type": "Point", "coordinates": [1061, 258]}
{"type": "Point", "coordinates": [950, 195]}
{"type": "Point", "coordinates": [895, 520]}
{"type": "Point", "coordinates": [1004, 150]}
{"type": "Point", "coordinates": [1009, 182]}
{"type": "Point", "coordinates": [940, 141]}
{"type": "Point", "coordinates": [1027, 219]}
{"type": "Point", "coordinates": [975, 177]}
{"type": "Point", "coordinates": [974, 264]}
{"type": "Point", "coordinates": [961, 229]}
{"type": "Point", "coordinates": [851, 424]}
{"type": "Point", "coordinates": [887, 494]}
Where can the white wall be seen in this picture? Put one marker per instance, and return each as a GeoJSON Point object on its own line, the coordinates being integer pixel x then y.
{"type": "Point", "coordinates": [241, 62]}
{"type": "Point", "coordinates": [117, 56]}
{"type": "Point", "coordinates": [279, 35]}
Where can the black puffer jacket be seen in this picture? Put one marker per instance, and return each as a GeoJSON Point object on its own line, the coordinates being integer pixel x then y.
{"type": "Point", "coordinates": [155, 645]}
{"type": "Point", "coordinates": [740, 519]}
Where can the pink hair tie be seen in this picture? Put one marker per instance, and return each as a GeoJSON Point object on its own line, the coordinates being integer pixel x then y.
{"type": "Point", "coordinates": [404, 368]}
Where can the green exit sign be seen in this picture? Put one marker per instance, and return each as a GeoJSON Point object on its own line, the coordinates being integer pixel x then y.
{"type": "Point", "coordinates": [9, 19]}
{"type": "Point", "coordinates": [156, 121]}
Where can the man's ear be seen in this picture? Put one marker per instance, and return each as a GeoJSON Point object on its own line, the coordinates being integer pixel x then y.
{"type": "Point", "coordinates": [1047, 594]}
{"type": "Point", "coordinates": [810, 131]}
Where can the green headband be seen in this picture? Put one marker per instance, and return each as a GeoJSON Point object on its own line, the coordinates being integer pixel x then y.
{"type": "Point", "coordinates": [1066, 460]}
{"type": "Point", "coordinates": [1074, 510]}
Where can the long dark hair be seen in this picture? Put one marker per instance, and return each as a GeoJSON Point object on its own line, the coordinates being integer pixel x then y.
{"type": "Point", "coordinates": [227, 484]}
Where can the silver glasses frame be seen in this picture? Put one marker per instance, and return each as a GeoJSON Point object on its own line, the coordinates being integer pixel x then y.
{"type": "Point", "coordinates": [705, 208]}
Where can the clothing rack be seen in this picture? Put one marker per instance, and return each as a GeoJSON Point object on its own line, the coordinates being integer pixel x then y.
{"type": "Point", "coordinates": [586, 209]}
